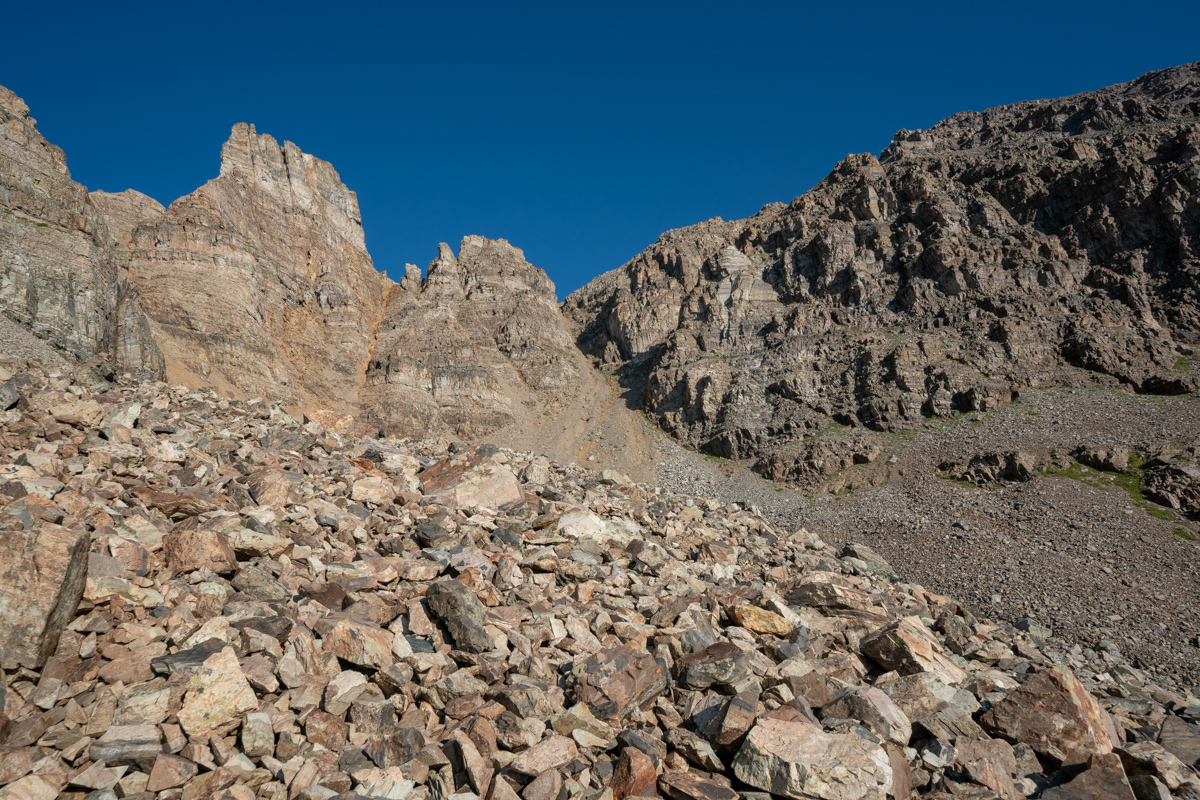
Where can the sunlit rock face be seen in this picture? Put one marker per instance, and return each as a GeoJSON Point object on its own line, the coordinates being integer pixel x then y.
{"type": "Point", "coordinates": [1054, 242]}
{"type": "Point", "coordinates": [259, 282]}
{"type": "Point", "coordinates": [476, 344]}
{"type": "Point", "coordinates": [59, 273]}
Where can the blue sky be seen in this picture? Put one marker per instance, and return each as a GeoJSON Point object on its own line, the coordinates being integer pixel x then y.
{"type": "Point", "coordinates": [577, 131]}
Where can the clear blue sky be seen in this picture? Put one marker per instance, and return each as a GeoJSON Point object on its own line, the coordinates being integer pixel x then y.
{"type": "Point", "coordinates": [577, 131]}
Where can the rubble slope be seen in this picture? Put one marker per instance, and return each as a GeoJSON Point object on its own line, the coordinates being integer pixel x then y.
{"type": "Point", "coordinates": [212, 598]}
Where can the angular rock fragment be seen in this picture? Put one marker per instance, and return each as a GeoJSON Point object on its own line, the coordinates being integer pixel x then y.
{"type": "Point", "coordinates": [908, 647]}
{"type": "Point", "coordinates": [217, 694]}
{"type": "Point", "coordinates": [460, 611]}
{"type": "Point", "coordinates": [42, 577]}
{"type": "Point", "coordinates": [614, 682]}
{"type": "Point", "coordinates": [799, 760]}
{"type": "Point", "coordinates": [1054, 715]}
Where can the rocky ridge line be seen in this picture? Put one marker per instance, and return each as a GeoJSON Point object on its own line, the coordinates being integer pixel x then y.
{"type": "Point", "coordinates": [1046, 243]}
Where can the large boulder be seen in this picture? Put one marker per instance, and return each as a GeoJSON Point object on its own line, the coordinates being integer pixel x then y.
{"type": "Point", "coordinates": [471, 479]}
{"type": "Point", "coordinates": [797, 759]}
{"type": "Point", "coordinates": [43, 574]}
{"type": "Point", "coordinates": [908, 647]}
{"type": "Point", "coordinates": [1055, 715]}
{"type": "Point", "coordinates": [616, 681]}
{"type": "Point", "coordinates": [461, 612]}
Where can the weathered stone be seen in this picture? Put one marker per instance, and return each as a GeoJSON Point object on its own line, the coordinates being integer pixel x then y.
{"type": "Point", "coordinates": [217, 693]}
{"type": "Point", "coordinates": [690, 786]}
{"type": "Point", "coordinates": [550, 753]}
{"type": "Point", "coordinates": [1104, 779]}
{"type": "Point", "coordinates": [720, 664]}
{"type": "Point", "coordinates": [343, 690]}
{"type": "Point", "coordinates": [908, 647]}
{"type": "Point", "coordinates": [463, 752]}
{"type": "Point", "coordinates": [252, 544]}
{"type": "Point", "coordinates": [169, 772]}
{"type": "Point", "coordinates": [760, 620]}
{"type": "Point", "coordinates": [190, 550]}
{"type": "Point", "coordinates": [359, 644]}
{"type": "Point", "coordinates": [373, 489]}
{"type": "Point", "coordinates": [42, 578]}
{"type": "Point", "coordinates": [1182, 739]}
{"type": "Point", "coordinates": [472, 479]}
{"type": "Point", "coordinates": [739, 718]}
{"type": "Point", "coordinates": [458, 608]}
{"type": "Point", "coordinates": [1054, 715]}
{"type": "Point", "coordinates": [634, 775]}
{"type": "Point", "coordinates": [128, 744]}
{"type": "Point", "coordinates": [799, 760]}
{"type": "Point", "coordinates": [269, 487]}
{"type": "Point", "coordinates": [257, 735]}
{"type": "Point", "coordinates": [614, 682]}
{"type": "Point", "coordinates": [874, 709]}
{"type": "Point", "coordinates": [260, 585]}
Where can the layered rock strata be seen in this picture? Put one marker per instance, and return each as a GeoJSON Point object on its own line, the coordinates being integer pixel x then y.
{"type": "Point", "coordinates": [259, 282]}
{"type": "Point", "coordinates": [59, 274]}
{"type": "Point", "coordinates": [1038, 244]}
{"type": "Point", "coordinates": [475, 345]}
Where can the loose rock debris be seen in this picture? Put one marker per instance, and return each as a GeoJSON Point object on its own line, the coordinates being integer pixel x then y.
{"type": "Point", "coordinates": [210, 598]}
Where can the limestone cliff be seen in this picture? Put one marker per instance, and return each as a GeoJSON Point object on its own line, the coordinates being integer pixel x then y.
{"type": "Point", "coordinates": [259, 282]}
{"type": "Point", "coordinates": [59, 275]}
{"type": "Point", "coordinates": [1054, 242]}
{"type": "Point", "coordinates": [474, 346]}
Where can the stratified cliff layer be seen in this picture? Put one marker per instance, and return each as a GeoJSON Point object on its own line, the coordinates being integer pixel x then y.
{"type": "Point", "coordinates": [58, 272]}
{"type": "Point", "coordinates": [474, 347]}
{"type": "Point", "coordinates": [1043, 243]}
{"type": "Point", "coordinates": [259, 282]}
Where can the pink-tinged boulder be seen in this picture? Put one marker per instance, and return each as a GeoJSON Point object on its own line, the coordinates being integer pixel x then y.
{"type": "Point", "coordinates": [797, 759]}
{"type": "Point", "coordinates": [471, 479]}
{"type": "Point", "coordinates": [908, 647]}
{"type": "Point", "coordinates": [1055, 715]}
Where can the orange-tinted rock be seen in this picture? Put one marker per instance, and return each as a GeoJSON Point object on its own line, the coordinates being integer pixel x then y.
{"type": "Point", "coordinates": [634, 775]}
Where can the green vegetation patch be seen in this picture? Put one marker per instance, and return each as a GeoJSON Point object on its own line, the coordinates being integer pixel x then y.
{"type": "Point", "coordinates": [1132, 481]}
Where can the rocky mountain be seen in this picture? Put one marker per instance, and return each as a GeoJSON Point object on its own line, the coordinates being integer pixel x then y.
{"type": "Point", "coordinates": [259, 282]}
{"type": "Point", "coordinates": [59, 274]}
{"type": "Point", "coordinates": [1045, 243]}
{"type": "Point", "coordinates": [470, 348]}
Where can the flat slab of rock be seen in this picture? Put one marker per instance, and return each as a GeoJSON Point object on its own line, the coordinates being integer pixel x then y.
{"type": "Point", "coordinates": [690, 786]}
{"type": "Point", "coordinates": [218, 693]}
{"type": "Point", "coordinates": [550, 753]}
{"type": "Point", "coordinates": [472, 479]}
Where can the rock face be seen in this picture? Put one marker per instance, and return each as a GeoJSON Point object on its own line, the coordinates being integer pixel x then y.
{"type": "Point", "coordinates": [59, 274]}
{"type": "Point", "coordinates": [259, 282]}
{"type": "Point", "coordinates": [1043, 243]}
{"type": "Point", "coordinates": [470, 348]}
